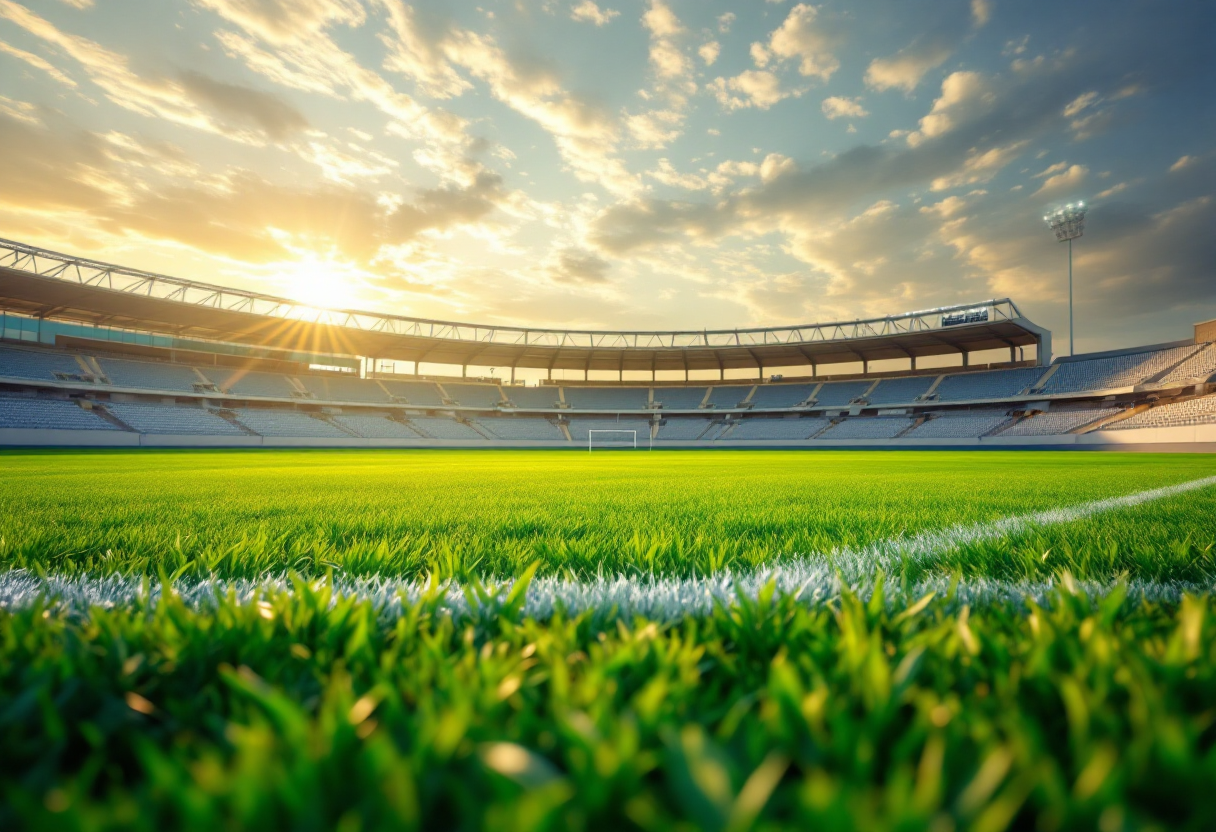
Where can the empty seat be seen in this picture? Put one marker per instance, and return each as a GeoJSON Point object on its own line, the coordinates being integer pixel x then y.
{"type": "Point", "coordinates": [780, 395]}
{"type": "Point", "coordinates": [993, 384]}
{"type": "Point", "coordinates": [149, 375]}
{"type": "Point", "coordinates": [36, 364]}
{"type": "Point", "coordinates": [686, 428]}
{"type": "Point", "coordinates": [1058, 421]}
{"type": "Point", "coordinates": [253, 383]}
{"type": "Point", "coordinates": [532, 397]}
{"type": "Point", "coordinates": [374, 427]}
{"type": "Point", "coordinates": [507, 427]}
{"type": "Point", "coordinates": [421, 393]}
{"type": "Point", "coordinates": [872, 427]}
{"type": "Point", "coordinates": [1175, 414]}
{"type": "Point", "coordinates": [288, 423]}
{"type": "Point", "coordinates": [344, 389]}
{"type": "Point", "coordinates": [439, 427]}
{"type": "Point", "coordinates": [680, 398]}
{"type": "Point", "coordinates": [607, 398]}
{"type": "Point", "coordinates": [171, 419]}
{"type": "Point", "coordinates": [901, 390]}
{"type": "Point", "coordinates": [580, 429]}
{"type": "Point", "coordinates": [730, 395]}
{"type": "Point", "coordinates": [474, 395]}
{"type": "Point", "coordinates": [20, 412]}
{"type": "Point", "coordinates": [840, 393]}
{"type": "Point", "coordinates": [761, 429]}
{"type": "Point", "coordinates": [959, 425]}
{"type": "Point", "coordinates": [1202, 365]}
{"type": "Point", "coordinates": [1116, 371]}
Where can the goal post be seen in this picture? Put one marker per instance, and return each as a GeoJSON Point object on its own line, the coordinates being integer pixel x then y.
{"type": "Point", "coordinates": [625, 438]}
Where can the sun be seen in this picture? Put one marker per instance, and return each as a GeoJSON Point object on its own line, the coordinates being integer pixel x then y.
{"type": "Point", "coordinates": [323, 282]}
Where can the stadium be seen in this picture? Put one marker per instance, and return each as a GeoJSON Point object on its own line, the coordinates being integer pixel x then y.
{"type": "Point", "coordinates": [607, 416]}
{"type": "Point", "coordinates": [98, 355]}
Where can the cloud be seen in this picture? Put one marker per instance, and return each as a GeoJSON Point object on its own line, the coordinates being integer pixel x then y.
{"type": "Point", "coordinates": [577, 266]}
{"type": "Point", "coordinates": [661, 20]}
{"type": "Point", "coordinates": [1067, 178]}
{"type": "Point", "coordinates": [838, 107]}
{"type": "Point", "coordinates": [80, 4]}
{"type": "Point", "coordinates": [906, 68]}
{"type": "Point", "coordinates": [752, 88]}
{"type": "Point", "coordinates": [709, 52]}
{"type": "Point", "coordinates": [273, 116]}
{"type": "Point", "coordinates": [668, 175]}
{"type": "Point", "coordinates": [963, 95]}
{"type": "Point", "coordinates": [38, 62]}
{"type": "Point", "coordinates": [800, 38]}
{"type": "Point", "coordinates": [981, 12]}
{"type": "Point", "coordinates": [588, 12]}
{"type": "Point", "coordinates": [418, 54]}
{"type": "Point", "coordinates": [281, 21]}
{"type": "Point", "coordinates": [1183, 161]}
{"type": "Point", "coordinates": [725, 21]}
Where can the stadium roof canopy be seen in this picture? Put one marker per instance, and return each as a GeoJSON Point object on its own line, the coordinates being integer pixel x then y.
{"type": "Point", "coordinates": [50, 285]}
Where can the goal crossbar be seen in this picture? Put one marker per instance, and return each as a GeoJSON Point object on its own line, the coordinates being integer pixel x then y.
{"type": "Point", "coordinates": [593, 431]}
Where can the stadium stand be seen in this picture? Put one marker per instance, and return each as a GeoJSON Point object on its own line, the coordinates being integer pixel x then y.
{"type": "Point", "coordinates": [760, 429]}
{"type": "Point", "coordinates": [375, 427]}
{"type": "Point", "coordinates": [340, 389]}
{"type": "Point", "coordinates": [1175, 414]}
{"type": "Point", "coordinates": [40, 365]}
{"type": "Point", "coordinates": [901, 390]}
{"type": "Point", "coordinates": [1113, 372]}
{"type": "Point", "coordinates": [878, 427]}
{"type": "Point", "coordinates": [532, 397]}
{"type": "Point", "coordinates": [781, 395]}
{"type": "Point", "coordinates": [1055, 422]}
{"type": "Point", "coordinates": [439, 427]}
{"type": "Point", "coordinates": [959, 425]}
{"type": "Point", "coordinates": [285, 423]}
{"type": "Point", "coordinates": [840, 392]}
{"type": "Point", "coordinates": [421, 393]}
{"type": "Point", "coordinates": [57, 414]}
{"type": "Point", "coordinates": [607, 398]}
{"type": "Point", "coordinates": [1202, 365]}
{"type": "Point", "coordinates": [168, 419]}
{"type": "Point", "coordinates": [685, 429]}
{"type": "Point", "coordinates": [253, 383]}
{"type": "Point", "coordinates": [729, 396]}
{"type": "Point", "coordinates": [580, 427]}
{"type": "Point", "coordinates": [525, 428]}
{"type": "Point", "coordinates": [148, 375]}
{"type": "Point", "coordinates": [680, 398]}
{"type": "Point", "coordinates": [993, 384]}
{"type": "Point", "coordinates": [474, 395]}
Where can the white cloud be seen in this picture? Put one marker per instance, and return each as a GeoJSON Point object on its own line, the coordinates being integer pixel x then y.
{"type": "Point", "coordinates": [668, 175]}
{"type": "Point", "coordinates": [906, 68]}
{"type": "Point", "coordinates": [709, 52]}
{"type": "Point", "coordinates": [1182, 162]}
{"type": "Point", "coordinates": [800, 38]}
{"type": "Point", "coordinates": [1080, 103]}
{"type": "Point", "coordinates": [963, 94]}
{"type": "Point", "coordinates": [1067, 178]}
{"type": "Point", "coordinates": [588, 12]}
{"type": "Point", "coordinates": [981, 11]}
{"type": "Point", "coordinates": [980, 166]}
{"type": "Point", "coordinates": [753, 88]}
{"type": "Point", "coordinates": [38, 62]}
{"type": "Point", "coordinates": [838, 107]}
{"type": "Point", "coordinates": [661, 20]}
{"type": "Point", "coordinates": [725, 21]}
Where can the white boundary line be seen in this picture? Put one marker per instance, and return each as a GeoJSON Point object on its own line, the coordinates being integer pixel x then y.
{"type": "Point", "coordinates": [814, 579]}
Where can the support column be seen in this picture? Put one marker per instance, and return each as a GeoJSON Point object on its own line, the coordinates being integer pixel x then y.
{"type": "Point", "coordinates": [416, 363]}
{"type": "Point", "coordinates": [512, 375]}
{"type": "Point", "coordinates": [966, 359]}
{"type": "Point", "coordinates": [1013, 354]}
{"type": "Point", "coordinates": [865, 366]}
{"type": "Point", "coordinates": [721, 373]}
{"type": "Point", "coordinates": [464, 370]}
{"type": "Point", "coordinates": [913, 359]}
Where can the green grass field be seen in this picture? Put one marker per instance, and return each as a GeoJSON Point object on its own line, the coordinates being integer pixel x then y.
{"type": "Point", "coordinates": [1056, 672]}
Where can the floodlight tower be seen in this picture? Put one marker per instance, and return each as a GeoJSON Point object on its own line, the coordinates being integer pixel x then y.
{"type": "Point", "coordinates": [1068, 223]}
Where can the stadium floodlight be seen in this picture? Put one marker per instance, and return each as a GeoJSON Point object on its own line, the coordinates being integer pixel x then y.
{"type": "Point", "coordinates": [1068, 223]}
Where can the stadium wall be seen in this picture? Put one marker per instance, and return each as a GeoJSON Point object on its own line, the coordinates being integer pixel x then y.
{"type": "Point", "coordinates": [1191, 438]}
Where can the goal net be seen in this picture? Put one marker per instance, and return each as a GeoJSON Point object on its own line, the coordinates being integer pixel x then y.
{"type": "Point", "coordinates": [605, 438]}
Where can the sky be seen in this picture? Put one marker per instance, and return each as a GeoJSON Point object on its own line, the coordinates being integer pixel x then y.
{"type": "Point", "coordinates": [628, 164]}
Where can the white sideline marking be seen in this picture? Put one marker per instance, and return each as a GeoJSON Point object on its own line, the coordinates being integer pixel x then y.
{"type": "Point", "coordinates": [814, 579]}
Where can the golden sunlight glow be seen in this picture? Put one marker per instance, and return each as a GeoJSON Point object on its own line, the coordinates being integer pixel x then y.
{"type": "Point", "coordinates": [322, 282]}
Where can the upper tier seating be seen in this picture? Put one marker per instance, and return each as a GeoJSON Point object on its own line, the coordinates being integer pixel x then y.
{"type": "Point", "coordinates": [149, 375]}
{"type": "Point", "coordinates": [532, 398]}
{"type": "Point", "coordinates": [36, 364]}
{"type": "Point", "coordinates": [683, 428]}
{"type": "Point", "coordinates": [780, 395]}
{"type": "Point", "coordinates": [344, 389]}
{"type": "Point", "coordinates": [1201, 365]}
{"type": "Point", "coordinates": [607, 398]}
{"type": "Point", "coordinates": [992, 384]}
{"type": "Point", "coordinates": [1176, 414]}
{"type": "Point", "coordinates": [440, 427]}
{"type": "Point", "coordinates": [959, 425]}
{"type": "Point", "coordinates": [524, 428]}
{"type": "Point", "coordinates": [287, 423]}
{"type": "Point", "coordinates": [375, 427]}
{"type": "Point", "coordinates": [874, 427]}
{"type": "Point", "coordinates": [152, 418]}
{"type": "Point", "coordinates": [840, 393]}
{"type": "Point", "coordinates": [421, 393]}
{"type": "Point", "coordinates": [252, 383]}
{"type": "Point", "coordinates": [579, 428]}
{"type": "Point", "coordinates": [1117, 371]}
{"type": "Point", "coordinates": [679, 398]}
{"type": "Point", "coordinates": [20, 412]}
{"type": "Point", "coordinates": [474, 395]}
{"type": "Point", "coordinates": [901, 390]}
{"type": "Point", "coordinates": [1055, 422]}
{"type": "Point", "coordinates": [725, 396]}
{"type": "Point", "coordinates": [761, 428]}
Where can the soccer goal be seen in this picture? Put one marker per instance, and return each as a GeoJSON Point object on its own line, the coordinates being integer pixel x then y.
{"type": "Point", "coordinates": [615, 439]}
